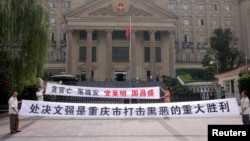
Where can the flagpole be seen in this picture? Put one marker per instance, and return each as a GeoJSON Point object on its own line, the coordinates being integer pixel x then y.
{"type": "Point", "coordinates": [130, 55]}
{"type": "Point", "coordinates": [130, 52]}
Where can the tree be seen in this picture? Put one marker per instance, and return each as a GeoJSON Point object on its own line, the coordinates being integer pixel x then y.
{"type": "Point", "coordinates": [24, 30]}
{"type": "Point", "coordinates": [244, 81]}
{"type": "Point", "coordinates": [210, 69]}
{"type": "Point", "coordinates": [225, 55]}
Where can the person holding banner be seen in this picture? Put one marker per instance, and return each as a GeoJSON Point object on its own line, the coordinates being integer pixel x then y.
{"type": "Point", "coordinates": [40, 94]}
{"type": "Point", "coordinates": [167, 94]}
{"type": "Point", "coordinates": [245, 108]}
{"type": "Point", "coordinates": [14, 113]}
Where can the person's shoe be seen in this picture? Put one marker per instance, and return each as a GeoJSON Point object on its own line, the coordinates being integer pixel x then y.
{"type": "Point", "coordinates": [18, 130]}
{"type": "Point", "coordinates": [13, 131]}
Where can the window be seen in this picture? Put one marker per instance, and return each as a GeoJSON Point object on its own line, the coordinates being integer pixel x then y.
{"type": "Point", "coordinates": [66, 4]}
{"type": "Point", "coordinates": [228, 7]}
{"type": "Point", "coordinates": [158, 54]}
{"type": "Point", "coordinates": [202, 56]}
{"type": "Point", "coordinates": [82, 54]}
{"type": "Point", "coordinates": [158, 36]}
{"type": "Point", "coordinates": [52, 37]}
{"type": "Point", "coordinates": [201, 41]}
{"type": "Point", "coordinates": [229, 86]}
{"type": "Point", "coordinates": [50, 56]}
{"type": "Point", "coordinates": [201, 38]}
{"type": "Point", "coordinates": [199, 7]}
{"type": "Point", "coordinates": [185, 6]}
{"type": "Point", "coordinates": [119, 35]}
{"type": "Point", "coordinates": [214, 22]}
{"type": "Point", "coordinates": [94, 35]}
{"type": "Point", "coordinates": [64, 36]}
{"type": "Point", "coordinates": [188, 57]}
{"type": "Point", "coordinates": [64, 56]}
{"type": "Point", "coordinates": [120, 54]}
{"type": "Point", "coordinates": [171, 6]}
{"type": "Point", "coordinates": [200, 22]}
{"type": "Point", "coordinates": [93, 54]}
{"type": "Point", "coordinates": [186, 22]}
{"type": "Point", "coordinates": [52, 20]}
{"type": "Point", "coordinates": [146, 54]}
{"type": "Point", "coordinates": [214, 7]}
{"type": "Point", "coordinates": [57, 56]}
{"type": "Point", "coordinates": [52, 4]}
{"type": "Point", "coordinates": [187, 38]}
{"type": "Point", "coordinates": [229, 22]}
{"type": "Point", "coordinates": [145, 36]}
{"type": "Point", "coordinates": [83, 35]}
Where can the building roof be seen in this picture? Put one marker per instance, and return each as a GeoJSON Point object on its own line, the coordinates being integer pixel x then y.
{"type": "Point", "coordinates": [234, 72]}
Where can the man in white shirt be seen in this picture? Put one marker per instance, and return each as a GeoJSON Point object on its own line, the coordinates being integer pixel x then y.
{"type": "Point", "coordinates": [40, 94]}
{"type": "Point", "coordinates": [14, 113]}
{"type": "Point", "coordinates": [244, 108]}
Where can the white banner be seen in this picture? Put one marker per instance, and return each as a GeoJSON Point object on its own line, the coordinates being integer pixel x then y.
{"type": "Point", "coordinates": [219, 107]}
{"type": "Point", "coordinates": [97, 92]}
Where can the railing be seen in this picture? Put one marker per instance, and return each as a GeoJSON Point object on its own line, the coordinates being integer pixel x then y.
{"type": "Point", "coordinates": [202, 45]}
{"type": "Point", "coordinates": [176, 97]}
{"type": "Point", "coordinates": [63, 43]}
{"type": "Point", "coordinates": [188, 45]}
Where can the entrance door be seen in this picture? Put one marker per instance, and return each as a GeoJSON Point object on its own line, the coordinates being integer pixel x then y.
{"type": "Point", "coordinates": [120, 75]}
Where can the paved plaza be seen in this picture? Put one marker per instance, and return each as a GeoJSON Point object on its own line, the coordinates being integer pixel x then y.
{"type": "Point", "coordinates": [73, 129]}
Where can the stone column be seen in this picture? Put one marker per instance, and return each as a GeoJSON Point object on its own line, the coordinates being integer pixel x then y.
{"type": "Point", "coordinates": [152, 53]}
{"type": "Point", "coordinates": [89, 54]}
{"type": "Point", "coordinates": [69, 58]}
{"type": "Point", "coordinates": [109, 54]}
{"type": "Point", "coordinates": [172, 53]}
{"type": "Point", "coordinates": [132, 57]}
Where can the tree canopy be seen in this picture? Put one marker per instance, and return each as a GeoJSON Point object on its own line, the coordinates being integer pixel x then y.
{"type": "Point", "coordinates": [24, 39]}
{"type": "Point", "coordinates": [225, 56]}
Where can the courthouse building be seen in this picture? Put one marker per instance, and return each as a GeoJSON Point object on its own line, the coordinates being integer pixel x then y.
{"type": "Point", "coordinates": [88, 36]}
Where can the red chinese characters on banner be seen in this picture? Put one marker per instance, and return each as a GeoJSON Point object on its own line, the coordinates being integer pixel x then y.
{"type": "Point", "coordinates": [107, 93]}
{"type": "Point", "coordinates": [123, 93]}
{"type": "Point", "coordinates": [151, 93]}
{"type": "Point", "coordinates": [115, 93]}
{"type": "Point", "coordinates": [134, 93]}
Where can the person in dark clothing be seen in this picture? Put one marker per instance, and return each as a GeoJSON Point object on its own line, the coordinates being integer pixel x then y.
{"type": "Point", "coordinates": [223, 95]}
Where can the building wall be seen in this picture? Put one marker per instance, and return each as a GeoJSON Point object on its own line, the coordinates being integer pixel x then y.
{"type": "Point", "coordinates": [244, 13]}
{"type": "Point", "coordinates": [187, 54]}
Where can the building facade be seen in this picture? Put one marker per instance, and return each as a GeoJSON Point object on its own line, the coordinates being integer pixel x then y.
{"type": "Point", "coordinates": [88, 36]}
